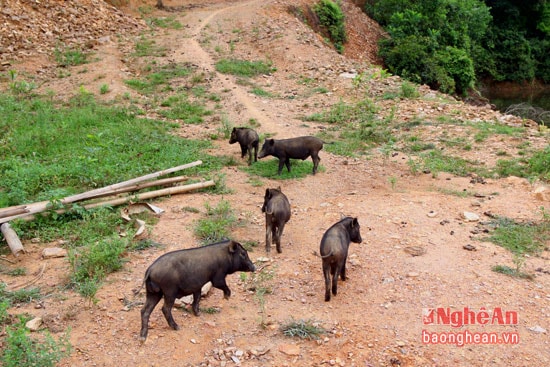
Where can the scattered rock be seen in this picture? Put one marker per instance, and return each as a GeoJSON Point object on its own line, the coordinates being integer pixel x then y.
{"type": "Point", "coordinates": [470, 217]}
{"type": "Point", "coordinates": [432, 214]}
{"type": "Point", "coordinates": [537, 329]}
{"type": "Point", "coordinates": [289, 349]}
{"type": "Point", "coordinates": [469, 247]}
{"type": "Point", "coordinates": [415, 250]}
{"type": "Point", "coordinates": [413, 274]}
{"type": "Point", "coordinates": [51, 252]}
{"type": "Point", "coordinates": [34, 324]}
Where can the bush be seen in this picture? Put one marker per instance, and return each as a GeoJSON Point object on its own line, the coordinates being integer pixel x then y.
{"type": "Point", "coordinates": [332, 18]}
{"type": "Point", "coordinates": [20, 350]}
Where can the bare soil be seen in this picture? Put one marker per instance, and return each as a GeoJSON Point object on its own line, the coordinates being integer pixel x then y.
{"type": "Point", "coordinates": [376, 318]}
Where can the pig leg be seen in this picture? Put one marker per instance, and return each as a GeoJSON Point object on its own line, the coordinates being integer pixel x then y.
{"type": "Point", "coordinates": [278, 236]}
{"type": "Point", "coordinates": [249, 148]}
{"type": "Point", "coordinates": [268, 234]}
{"type": "Point", "coordinates": [281, 164]}
{"type": "Point", "coordinates": [167, 311]}
{"type": "Point", "coordinates": [287, 164]}
{"type": "Point", "coordinates": [195, 305]}
{"type": "Point", "coordinates": [316, 159]}
{"type": "Point", "coordinates": [335, 270]}
{"type": "Point", "coordinates": [255, 146]}
{"type": "Point", "coordinates": [243, 150]}
{"type": "Point", "coordinates": [343, 271]}
{"type": "Point", "coordinates": [221, 284]}
{"type": "Point", "coordinates": [151, 301]}
{"type": "Point", "coordinates": [326, 273]}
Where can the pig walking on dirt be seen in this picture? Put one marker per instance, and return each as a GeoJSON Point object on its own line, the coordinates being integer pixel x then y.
{"type": "Point", "coordinates": [248, 139]}
{"type": "Point", "coordinates": [295, 148]}
{"type": "Point", "coordinates": [334, 251]}
{"type": "Point", "coordinates": [277, 212]}
{"type": "Point", "coordinates": [184, 272]}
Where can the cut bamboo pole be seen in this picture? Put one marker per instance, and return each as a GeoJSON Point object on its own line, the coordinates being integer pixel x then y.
{"type": "Point", "coordinates": [12, 239]}
{"type": "Point", "coordinates": [39, 207]}
{"type": "Point", "coordinates": [142, 196]}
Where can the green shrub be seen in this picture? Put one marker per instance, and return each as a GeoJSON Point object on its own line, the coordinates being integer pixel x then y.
{"type": "Point", "coordinates": [21, 350]}
{"type": "Point", "coordinates": [332, 18]}
{"type": "Point", "coordinates": [243, 68]}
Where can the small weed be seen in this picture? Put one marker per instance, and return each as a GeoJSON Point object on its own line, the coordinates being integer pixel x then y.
{"type": "Point", "coordinates": [249, 246]}
{"type": "Point", "coordinates": [304, 329]}
{"type": "Point", "coordinates": [243, 68]}
{"type": "Point", "coordinates": [104, 89]}
{"type": "Point", "coordinates": [68, 56]}
{"type": "Point", "coordinates": [20, 295]}
{"type": "Point", "coordinates": [504, 269]}
{"type": "Point", "coordinates": [409, 90]}
{"type": "Point", "coordinates": [21, 350]}
{"type": "Point", "coordinates": [148, 47]}
{"type": "Point", "coordinates": [17, 272]}
{"type": "Point", "coordinates": [217, 224]}
{"type": "Point", "coordinates": [260, 284]}
{"type": "Point", "coordinates": [393, 181]}
{"type": "Point", "coordinates": [164, 22]}
{"type": "Point", "coordinates": [520, 238]}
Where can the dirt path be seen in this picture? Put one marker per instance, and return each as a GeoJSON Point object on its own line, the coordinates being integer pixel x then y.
{"type": "Point", "coordinates": [376, 319]}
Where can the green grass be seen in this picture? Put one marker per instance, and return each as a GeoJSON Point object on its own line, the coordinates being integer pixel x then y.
{"type": "Point", "coordinates": [515, 273]}
{"type": "Point", "coordinates": [164, 22]}
{"type": "Point", "coordinates": [159, 77]}
{"type": "Point", "coordinates": [435, 162]}
{"type": "Point", "coordinates": [243, 68]}
{"type": "Point", "coordinates": [54, 152]}
{"type": "Point", "coordinates": [536, 166]}
{"type": "Point", "coordinates": [521, 238]}
{"type": "Point", "coordinates": [303, 329]}
{"type": "Point", "coordinates": [20, 349]}
{"type": "Point", "coordinates": [148, 47]}
{"type": "Point", "coordinates": [19, 296]}
{"type": "Point", "coordinates": [69, 56]}
{"type": "Point", "coordinates": [217, 223]}
{"type": "Point", "coordinates": [180, 108]}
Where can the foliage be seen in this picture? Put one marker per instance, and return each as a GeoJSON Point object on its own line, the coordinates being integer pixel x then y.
{"type": "Point", "coordinates": [50, 152]}
{"type": "Point", "coordinates": [304, 329]}
{"type": "Point", "coordinates": [217, 224]}
{"type": "Point", "coordinates": [521, 238]}
{"type": "Point", "coordinates": [69, 56]}
{"type": "Point", "coordinates": [538, 165]}
{"type": "Point", "coordinates": [91, 264]}
{"type": "Point", "coordinates": [460, 42]}
{"type": "Point", "coordinates": [20, 295]}
{"type": "Point", "coordinates": [21, 350]}
{"type": "Point", "coordinates": [158, 77]}
{"type": "Point", "coordinates": [332, 18]}
{"type": "Point", "coordinates": [243, 68]}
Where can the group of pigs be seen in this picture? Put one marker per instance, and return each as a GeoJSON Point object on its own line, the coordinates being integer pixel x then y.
{"type": "Point", "coordinates": [184, 272]}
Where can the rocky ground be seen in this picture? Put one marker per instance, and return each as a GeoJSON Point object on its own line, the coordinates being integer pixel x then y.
{"type": "Point", "coordinates": [413, 255]}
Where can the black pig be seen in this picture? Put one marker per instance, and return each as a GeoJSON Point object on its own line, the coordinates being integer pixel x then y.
{"type": "Point", "coordinates": [277, 212]}
{"type": "Point", "coordinates": [184, 272]}
{"type": "Point", "coordinates": [295, 148]}
{"type": "Point", "coordinates": [248, 139]}
{"type": "Point", "coordinates": [334, 251]}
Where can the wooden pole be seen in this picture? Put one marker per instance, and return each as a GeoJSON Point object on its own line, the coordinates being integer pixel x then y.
{"type": "Point", "coordinates": [143, 196]}
{"type": "Point", "coordinates": [44, 205]}
{"type": "Point", "coordinates": [12, 239]}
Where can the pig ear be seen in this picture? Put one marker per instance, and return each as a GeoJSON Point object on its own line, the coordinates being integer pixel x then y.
{"type": "Point", "coordinates": [355, 222]}
{"type": "Point", "coordinates": [267, 193]}
{"type": "Point", "coordinates": [232, 246]}
{"type": "Point", "coordinates": [271, 141]}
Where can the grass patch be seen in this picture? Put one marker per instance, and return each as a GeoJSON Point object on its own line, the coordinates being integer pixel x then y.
{"type": "Point", "coordinates": [148, 47]}
{"type": "Point", "coordinates": [537, 166]}
{"type": "Point", "coordinates": [217, 224]}
{"type": "Point", "coordinates": [56, 152]}
{"type": "Point", "coordinates": [180, 108]}
{"type": "Point", "coordinates": [164, 22]}
{"type": "Point", "coordinates": [69, 56]}
{"type": "Point", "coordinates": [521, 238]}
{"type": "Point", "coordinates": [158, 77]}
{"type": "Point", "coordinates": [20, 295]}
{"type": "Point", "coordinates": [303, 329]}
{"type": "Point", "coordinates": [22, 350]}
{"type": "Point", "coordinates": [515, 273]}
{"type": "Point", "coordinates": [243, 68]}
{"type": "Point", "coordinates": [435, 162]}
